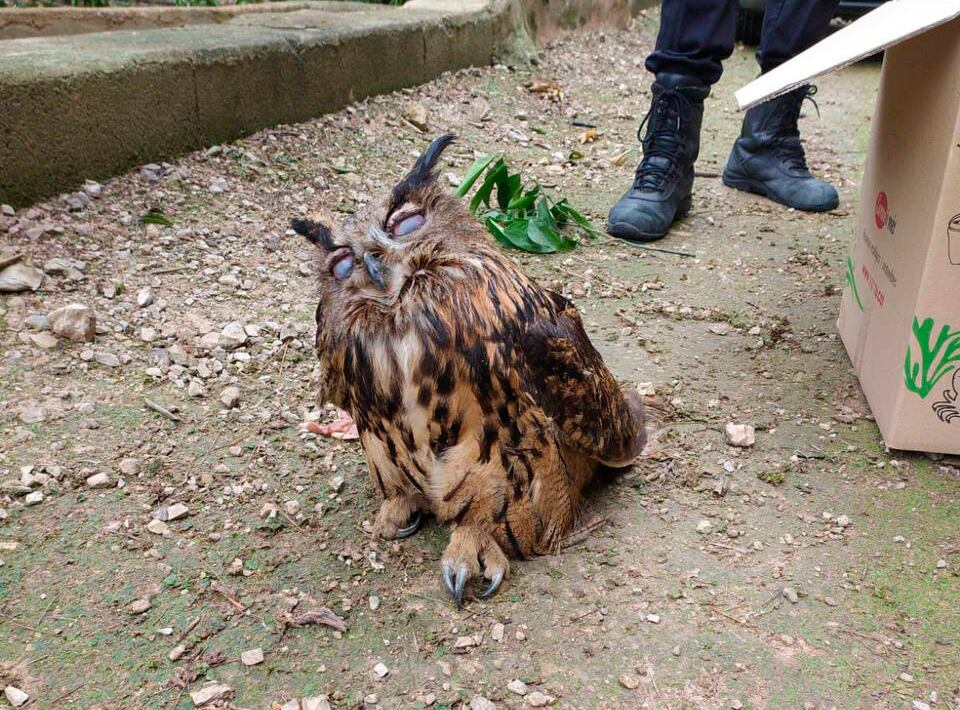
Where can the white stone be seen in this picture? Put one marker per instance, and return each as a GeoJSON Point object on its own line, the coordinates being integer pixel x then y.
{"type": "Point", "coordinates": [34, 498]}
{"type": "Point", "coordinates": [129, 466]}
{"type": "Point", "coordinates": [196, 389]}
{"type": "Point", "coordinates": [99, 480]}
{"type": "Point", "coordinates": [15, 696]}
{"type": "Point", "coordinates": [741, 435]}
{"type": "Point", "coordinates": [496, 632]}
{"type": "Point", "coordinates": [157, 527]}
{"type": "Point", "coordinates": [230, 396]}
{"type": "Point", "coordinates": [20, 277]}
{"type": "Point", "coordinates": [74, 321]}
{"type": "Point", "coordinates": [481, 703]}
{"type": "Point", "coordinates": [176, 511]}
{"type": "Point", "coordinates": [144, 297]}
{"type": "Point", "coordinates": [704, 526]}
{"type": "Point", "coordinates": [537, 699]}
{"type": "Point", "coordinates": [381, 670]}
{"type": "Point", "coordinates": [233, 335]}
{"type": "Point", "coordinates": [252, 657]}
{"type": "Point", "coordinates": [317, 702]}
{"type": "Point", "coordinates": [210, 693]}
{"type": "Point", "coordinates": [517, 686]}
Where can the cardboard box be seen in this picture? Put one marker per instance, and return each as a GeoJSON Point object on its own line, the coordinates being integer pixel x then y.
{"type": "Point", "coordinates": [900, 311]}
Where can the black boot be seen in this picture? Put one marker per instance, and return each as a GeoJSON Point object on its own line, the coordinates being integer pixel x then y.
{"type": "Point", "coordinates": [664, 179]}
{"type": "Point", "coordinates": [768, 157]}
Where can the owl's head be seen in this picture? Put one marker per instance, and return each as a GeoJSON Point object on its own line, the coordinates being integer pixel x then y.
{"type": "Point", "coordinates": [373, 255]}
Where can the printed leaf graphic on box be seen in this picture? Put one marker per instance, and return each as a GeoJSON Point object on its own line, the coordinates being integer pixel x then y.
{"type": "Point", "coordinates": [937, 358]}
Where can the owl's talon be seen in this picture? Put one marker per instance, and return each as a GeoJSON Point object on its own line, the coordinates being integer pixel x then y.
{"type": "Point", "coordinates": [456, 582]}
{"type": "Point", "coordinates": [415, 522]}
{"type": "Point", "coordinates": [494, 586]}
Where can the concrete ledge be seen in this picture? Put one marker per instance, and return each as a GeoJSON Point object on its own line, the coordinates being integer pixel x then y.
{"type": "Point", "coordinates": [93, 105]}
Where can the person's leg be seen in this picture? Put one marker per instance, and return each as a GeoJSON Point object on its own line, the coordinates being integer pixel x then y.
{"type": "Point", "coordinates": [695, 37]}
{"type": "Point", "coordinates": [790, 27]}
{"type": "Point", "coordinates": [768, 157]}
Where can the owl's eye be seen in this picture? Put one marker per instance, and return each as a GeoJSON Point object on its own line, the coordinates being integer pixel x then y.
{"type": "Point", "coordinates": [342, 267]}
{"type": "Point", "coordinates": [405, 226]}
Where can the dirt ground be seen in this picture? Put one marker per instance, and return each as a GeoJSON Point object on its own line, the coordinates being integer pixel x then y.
{"type": "Point", "coordinates": [813, 570]}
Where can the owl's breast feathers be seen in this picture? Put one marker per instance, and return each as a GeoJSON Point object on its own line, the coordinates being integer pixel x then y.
{"type": "Point", "coordinates": [473, 345]}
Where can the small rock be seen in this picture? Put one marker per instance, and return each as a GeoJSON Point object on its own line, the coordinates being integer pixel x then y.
{"type": "Point", "coordinates": [147, 334]}
{"type": "Point", "coordinates": [381, 671]}
{"type": "Point", "coordinates": [374, 602]}
{"type": "Point", "coordinates": [336, 483]}
{"type": "Point", "coordinates": [537, 699]}
{"type": "Point", "coordinates": [905, 677]}
{"type": "Point", "coordinates": [704, 526]}
{"type": "Point", "coordinates": [196, 388]}
{"type": "Point", "coordinates": [139, 606]}
{"type": "Point", "coordinates": [481, 703]}
{"type": "Point", "coordinates": [219, 185]}
{"type": "Point", "coordinates": [7, 211]}
{"type": "Point", "coordinates": [99, 480]}
{"type": "Point", "coordinates": [517, 686]}
{"type": "Point", "coordinates": [790, 594]}
{"type": "Point", "coordinates": [736, 704]}
{"type": "Point", "coordinates": [318, 702]}
{"type": "Point", "coordinates": [629, 682]}
{"type": "Point", "coordinates": [830, 601]}
{"type": "Point", "coordinates": [75, 322]}
{"type": "Point", "coordinates": [843, 521]}
{"type": "Point", "coordinates": [230, 397]}
{"type": "Point", "coordinates": [176, 652]}
{"type": "Point", "coordinates": [371, 699]}
{"type": "Point", "coordinates": [129, 466]}
{"type": "Point", "coordinates": [20, 277]}
{"type": "Point", "coordinates": [107, 359]}
{"type": "Point", "coordinates": [417, 115]}
{"type": "Point", "coordinates": [941, 564]}
{"type": "Point", "coordinates": [496, 632]}
{"type": "Point", "coordinates": [37, 321]}
{"type": "Point", "coordinates": [93, 189]}
{"type": "Point", "coordinates": [741, 435]}
{"type": "Point", "coordinates": [292, 507]}
{"type": "Point", "coordinates": [175, 511]}
{"type": "Point", "coordinates": [144, 297]}
{"type": "Point", "coordinates": [723, 328]}
{"type": "Point", "coordinates": [920, 705]}
{"type": "Point", "coordinates": [232, 336]}
{"type": "Point", "coordinates": [209, 693]}
{"type": "Point", "coordinates": [653, 618]}
{"type": "Point", "coordinates": [157, 527]}
{"type": "Point", "coordinates": [34, 498]}
{"type": "Point", "coordinates": [15, 696]}
{"type": "Point", "coordinates": [252, 657]}
{"type": "Point", "coordinates": [44, 340]}
{"type": "Point", "coordinates": [290, 705]}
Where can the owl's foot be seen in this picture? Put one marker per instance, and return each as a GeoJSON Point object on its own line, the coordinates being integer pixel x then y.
{"type": "Point", "coordinates": [472, 553]}
{"type": "Point", "coordinates": [397, 519]}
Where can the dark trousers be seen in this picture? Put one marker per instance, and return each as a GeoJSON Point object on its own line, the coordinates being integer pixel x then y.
{"type": "Point", "coordinates": [697, 35]}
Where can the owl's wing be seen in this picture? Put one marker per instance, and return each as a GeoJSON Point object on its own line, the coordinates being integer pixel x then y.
{"type": "Point", "coordinates": [566, 376]}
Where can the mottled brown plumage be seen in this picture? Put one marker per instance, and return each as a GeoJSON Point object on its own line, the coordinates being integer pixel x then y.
{"type": "Point", "coordinates": [477, 394]}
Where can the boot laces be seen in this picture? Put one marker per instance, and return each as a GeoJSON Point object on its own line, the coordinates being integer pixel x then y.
{"type": "Point", "coordinates": [663, 143]}
{"type": "Point", "coordinates": [787, 142]}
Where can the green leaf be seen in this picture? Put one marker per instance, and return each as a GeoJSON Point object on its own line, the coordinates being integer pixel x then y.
{"type": "Point", "coordinates": [507, 186]}
{"type": "Point", "coordinates": [479, 165]}
{"type": "Point", "coordinates": [155, 216]}
{"type": "Point", "coordinates": [514, 234]}
{"type": "Point", "coordinates": [524, 201]}
{"type": "Point", "coordinates": [486, 187]}
{"type": "Point", "coordinates": [564, 208]}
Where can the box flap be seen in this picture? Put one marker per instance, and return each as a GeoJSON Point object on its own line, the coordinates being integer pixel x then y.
{"type": "Point", "coordinates": [889, 24]}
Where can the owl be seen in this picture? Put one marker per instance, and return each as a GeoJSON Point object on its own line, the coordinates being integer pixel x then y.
{"type": "Point", "coordinates": [477, 394]}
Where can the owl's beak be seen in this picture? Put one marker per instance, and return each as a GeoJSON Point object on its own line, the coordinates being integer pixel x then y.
{"type": "Point", "coordinates": [374, 269]}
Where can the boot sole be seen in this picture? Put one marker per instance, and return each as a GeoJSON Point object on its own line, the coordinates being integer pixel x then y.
{"type": "Point", "coordinates": [627, 232]}
{"type": "Point", "coordinates": [745, 184]}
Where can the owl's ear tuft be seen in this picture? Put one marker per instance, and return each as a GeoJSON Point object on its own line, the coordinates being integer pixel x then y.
{"type": "Point", "coordinates": [315, 232]}
{"type": "Point", "coordinates": [422, 174]}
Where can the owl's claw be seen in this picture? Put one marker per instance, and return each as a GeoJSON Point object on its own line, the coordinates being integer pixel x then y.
{"type": "Point", "coordinates": [456, 583]}
{"type": "Point", "coordinates": [410, 528]}
{"type": "Point", "coordinates": [494, 586]}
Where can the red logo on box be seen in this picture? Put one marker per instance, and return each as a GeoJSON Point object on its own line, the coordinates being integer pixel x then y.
{"type": "Point", "coordinates": [881, 211]}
